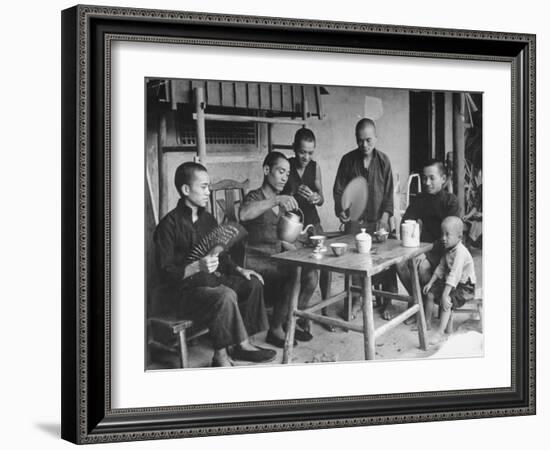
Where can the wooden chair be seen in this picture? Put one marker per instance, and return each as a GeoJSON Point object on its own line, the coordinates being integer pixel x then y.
{"type": "Point", "coordinates": [226, 209]}
{"type": "Point", "coordinates": [413, 176]}
{"type": "Point", "coordinates": [229, 205]}
{"type": "Point", "coordinates": [398, 212]}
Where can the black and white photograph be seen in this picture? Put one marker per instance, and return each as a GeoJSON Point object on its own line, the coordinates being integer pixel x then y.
{"type": "Point", "coordinates": [301, 224]}
{"type": "Point", "coordinates": [275, 225]}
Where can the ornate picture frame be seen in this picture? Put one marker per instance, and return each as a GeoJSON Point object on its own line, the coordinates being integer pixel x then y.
{"type": "Point", "coordinates": [88, 33]}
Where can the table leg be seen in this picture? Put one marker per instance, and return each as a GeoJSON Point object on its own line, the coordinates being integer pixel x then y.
{"type": "Point", "coordinates": [417, 296]}
{"type": "Point", "coordinates": [348, 302]}
{"type": "Point", "coordinates": [368, 318]}
{"type": "Point", "coordinates": [291, 323]}
{"type": "Point", "coordinates": [325, 285]}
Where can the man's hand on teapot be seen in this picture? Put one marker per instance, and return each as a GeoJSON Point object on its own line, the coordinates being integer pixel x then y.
{"type": "Point", "coordinates": [288, 202]}
{"type": "Point", "coordinates": [209, 263]}
{"type": "Point", "coordinates": [287, 246]}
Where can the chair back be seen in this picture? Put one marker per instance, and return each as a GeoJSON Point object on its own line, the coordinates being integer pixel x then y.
{"type": "Point", "coordinates": [413, 176]}
{"type": "Point", "coordinates": [226, 197]}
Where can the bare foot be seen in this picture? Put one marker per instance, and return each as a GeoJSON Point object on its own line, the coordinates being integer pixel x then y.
{"type": "Point", "coordinates": [278, 332]}
{"type": "Point", "coordinates": [389, 311]}
{"type": "Point", "coordinates": [437, 338]}
{"type": "Point", "coordinates": [246, 345]}
{"type": "Point", "coordinates": [221, 361]}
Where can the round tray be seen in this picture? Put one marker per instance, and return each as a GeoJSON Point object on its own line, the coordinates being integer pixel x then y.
{"type": "Point", "coordinates": [355, 197]}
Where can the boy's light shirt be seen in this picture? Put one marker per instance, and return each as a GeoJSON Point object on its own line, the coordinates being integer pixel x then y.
{"type": "Point", "coordinates": [456, 266]}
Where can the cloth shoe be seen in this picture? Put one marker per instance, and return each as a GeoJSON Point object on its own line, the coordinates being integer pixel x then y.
{"type": "Point", "coordinates": [261, 355]}
{"type": "Point", "coordinates": [300, 335]}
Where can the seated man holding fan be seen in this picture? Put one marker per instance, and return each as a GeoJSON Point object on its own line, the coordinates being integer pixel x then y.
{"type": "Point", "coordinates": [212, 290]}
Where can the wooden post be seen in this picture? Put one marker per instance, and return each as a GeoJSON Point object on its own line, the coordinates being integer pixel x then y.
{"type": "Point", "coordinates": [459, 151]}
{"type": "Point", "coordinates": [173, 99]}
{"type": "Point", "coordinates": [448, 122]}
{"type": "Point", "coordinates": [304, 104]}
{"type": "Point", "coordinates": [319, 103]}
{"type": "Point", "coordinates": [269, 137]}
{"type": "Point", "coordinates": [200, 105]}
{"type": "Point", "coordinates": [161, 161]}
{"type": "Point", "coordinates": [263, 137]}
{"type": "Point", "coordinates": [433, 125]}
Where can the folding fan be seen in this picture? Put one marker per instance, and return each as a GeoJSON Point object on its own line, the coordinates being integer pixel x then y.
{"type": "Point", "coordinates": [216, 241]}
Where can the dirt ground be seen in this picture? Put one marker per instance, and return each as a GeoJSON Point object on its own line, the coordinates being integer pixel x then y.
{"type": "Point", "coordinates": [400, 343]}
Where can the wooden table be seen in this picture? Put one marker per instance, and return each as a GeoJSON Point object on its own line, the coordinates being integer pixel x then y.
{"type": "Point", "coordinates": [381, 257]}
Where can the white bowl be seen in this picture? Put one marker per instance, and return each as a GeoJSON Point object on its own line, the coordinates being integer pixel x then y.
{"type": "Point", "coordinates": [339, 248]}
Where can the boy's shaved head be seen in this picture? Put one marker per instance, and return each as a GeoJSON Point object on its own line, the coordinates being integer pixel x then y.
{"type": "Point", "coordinates": [453, 223]}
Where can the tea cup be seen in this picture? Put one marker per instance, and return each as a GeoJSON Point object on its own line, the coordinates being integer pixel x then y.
{"type": "Point", "coordinates": [339, 248]}
{"type": "Point", "coordinates": [381, 235]}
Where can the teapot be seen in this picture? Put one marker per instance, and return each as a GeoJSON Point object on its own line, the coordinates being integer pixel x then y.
{"type": "Point", "coordinates": [410, 233]}
{"type": "Point", "coordinates": [290, 226]}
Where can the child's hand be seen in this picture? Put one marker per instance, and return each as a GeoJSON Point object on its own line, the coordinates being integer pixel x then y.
{"type": "Point", "coordinates": [427, 288]}
{"type": "Point", "coordinates": [446, 303]}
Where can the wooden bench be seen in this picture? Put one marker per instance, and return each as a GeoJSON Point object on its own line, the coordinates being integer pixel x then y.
{"type": "Point", "coordinates": [158, 328]}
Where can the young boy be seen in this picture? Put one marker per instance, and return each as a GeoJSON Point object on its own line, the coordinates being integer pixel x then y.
{"type": "Point", "coordinates": [453, 281]}
{"type": "Point", "coordinates": [429, 208]}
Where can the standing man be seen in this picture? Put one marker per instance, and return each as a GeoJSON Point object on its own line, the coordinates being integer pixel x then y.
{"type": "Point", "coordinates": [369, 162]}
{"type": "Point", "coordinates": [305, 185]}
{"type": "Point", "coordinates": [212, 291]}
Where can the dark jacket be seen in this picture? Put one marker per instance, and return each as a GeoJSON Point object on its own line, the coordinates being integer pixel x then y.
{"type": "Point", "coordinates": [379, 179]}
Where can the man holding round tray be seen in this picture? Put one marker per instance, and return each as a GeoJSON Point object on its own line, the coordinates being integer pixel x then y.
{"type": "Point", "coordinates": [363, 196]}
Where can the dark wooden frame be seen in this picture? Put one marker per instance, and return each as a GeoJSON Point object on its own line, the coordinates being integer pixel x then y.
{"type": "Point", "coordinates": [87, 32]}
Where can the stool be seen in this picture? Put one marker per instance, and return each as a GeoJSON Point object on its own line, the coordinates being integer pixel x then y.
{"type": "Point", "coordinates": [179, 327]}
{"type": "Point", "coordinates": [478, 303]}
